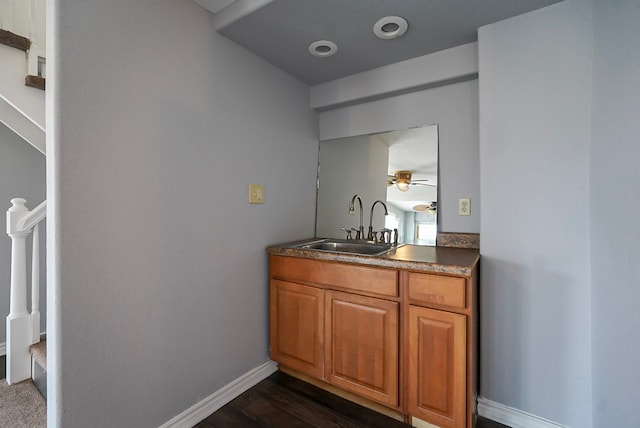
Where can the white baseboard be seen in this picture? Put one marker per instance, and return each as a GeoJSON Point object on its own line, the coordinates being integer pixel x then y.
{"type": "Point", "coordinates": [204, 408]}
{"type": "Point", "coordinates": [512, 417]}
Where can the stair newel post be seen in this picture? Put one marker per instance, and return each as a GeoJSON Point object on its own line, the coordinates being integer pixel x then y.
{"type": "Point", "coordinates": [35, 286]}
{"type": "Point", "coordinates": [18, 320]}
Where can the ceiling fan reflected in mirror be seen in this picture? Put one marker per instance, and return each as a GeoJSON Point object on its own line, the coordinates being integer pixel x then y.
{"type": "Point", "coordinates": [430, 208]}
{"type": "Point", "coordinates": [402, 180]}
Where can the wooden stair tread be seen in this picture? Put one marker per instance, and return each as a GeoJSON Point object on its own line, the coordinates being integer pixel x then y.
{"type": "Point", "coordinates": [35, 81]}
{"type": "Point", "coordinates": [39, 353]}
{"type": "Point", "coordinates": [14, 40]}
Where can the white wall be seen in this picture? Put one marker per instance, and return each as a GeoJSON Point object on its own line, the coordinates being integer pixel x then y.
{"type": "Point", "coordinates": [22, 174]}
{"type": "Point", "coordinates": [454, 108]}
{"type": "Point", "coordinates": [26, 99]}
{"type": "Point", "coordinates": [535, 96]}
{"type": "Point", "coordinates": [158, 125]}
{"type": "Point", "coordinates": [615, 204]}
{"type": "Point", "coordinates": [21, 106]}
{"type": "Point", "coordinates": [27, 19]}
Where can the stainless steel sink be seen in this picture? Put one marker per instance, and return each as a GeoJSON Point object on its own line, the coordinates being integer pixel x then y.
{"type": "Point", "coordinates": [365, 248]}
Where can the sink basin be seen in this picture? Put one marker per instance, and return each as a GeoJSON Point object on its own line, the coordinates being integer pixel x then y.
{"type": "Point", "coordinates": [364, 248]}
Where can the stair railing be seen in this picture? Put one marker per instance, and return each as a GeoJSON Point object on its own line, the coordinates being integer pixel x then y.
{"type": "Point", "coordinates": [23, 328]}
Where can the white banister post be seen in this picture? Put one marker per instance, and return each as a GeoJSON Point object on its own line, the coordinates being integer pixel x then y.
{"type": "Point", "coordinates": [32, 60]}
{"type": "Point", "coordinates": [35, 286]}
{"type": "Point", "coordinates": [18, 320]}
{"type": "Point", "coordinates": [32, 55]}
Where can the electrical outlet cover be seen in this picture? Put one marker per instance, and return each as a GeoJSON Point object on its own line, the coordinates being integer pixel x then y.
{"type": "Point", "coordinates": [464, 206]}
{"type": "Point", "coordinates": [256, 194]}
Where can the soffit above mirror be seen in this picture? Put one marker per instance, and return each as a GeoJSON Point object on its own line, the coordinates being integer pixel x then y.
{"type": "Point", "coordinates": [280, 31]}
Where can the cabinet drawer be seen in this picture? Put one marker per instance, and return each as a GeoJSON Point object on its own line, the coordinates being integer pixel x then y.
{"type": "Point", "coordinates": [344, 276]}
{"type": "Point", "coordinates": [437, 290]}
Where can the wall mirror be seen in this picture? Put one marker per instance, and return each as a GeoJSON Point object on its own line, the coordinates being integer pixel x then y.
{"type": "Point", "coordinates": [397, 167]}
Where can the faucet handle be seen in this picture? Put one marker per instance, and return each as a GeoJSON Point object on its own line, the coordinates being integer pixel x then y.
{"type": "Point", "coordinates": [385, 236]}
{"type": "Point", "coordinates": [357, 232]}
{"type": "Point", "coordinates": [348, 232]}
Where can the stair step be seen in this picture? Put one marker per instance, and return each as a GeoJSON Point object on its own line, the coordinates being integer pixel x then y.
{"type": "Point", "coordinates": [14, 40]}
{"type": "Point", "coordinates": [39, 367]}
{"type": "Point", "coordinates": [39, 353]}
{"type": "Point", "coordinates": [34, 81]}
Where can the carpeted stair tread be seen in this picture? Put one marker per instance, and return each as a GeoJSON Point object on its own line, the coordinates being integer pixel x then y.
{"type": "Point", "coordinates": [39, 353]}
{"type": "Point", "coordinates": [22, 406]}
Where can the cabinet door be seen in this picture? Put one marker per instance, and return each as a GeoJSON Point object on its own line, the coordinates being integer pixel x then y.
{"type": "Point", "coordinates": [436, 384]}
{"type": "Point", "coordinates": [362, 345]}
{"type": "Point", "coordinates": [296, 326]}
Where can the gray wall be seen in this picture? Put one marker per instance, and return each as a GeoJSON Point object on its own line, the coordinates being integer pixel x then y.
{"type": "Point", "coordinates": [615, 204]}
{"type": "Point", "coordinates": [157, 125]}
{"type": "Point", "coordinates": [358, 166]}
{"type": "Point", "coordinates": [535, 94]}
{"type": "Point", "coordinates": [22, 174]}
{"type": "Point", "coordinates": [162, 313]}
{"type": "Point", "coordinates": [454, 108]}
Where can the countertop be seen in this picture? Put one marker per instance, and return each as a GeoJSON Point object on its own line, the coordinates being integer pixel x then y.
{"type": "Point", "coordinates": [456, 261]}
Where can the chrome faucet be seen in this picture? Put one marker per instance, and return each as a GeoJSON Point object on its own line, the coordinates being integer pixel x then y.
{"type": "Point", "coordinates": [386, 212]}
{"type": "Point", "coordinates": [352, 211]}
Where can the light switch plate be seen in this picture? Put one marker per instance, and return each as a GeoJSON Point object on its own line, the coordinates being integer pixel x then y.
{"type": "Point", "coordinates": [464, 206]}
{"type": "Point", "coordinates": [256, 194]}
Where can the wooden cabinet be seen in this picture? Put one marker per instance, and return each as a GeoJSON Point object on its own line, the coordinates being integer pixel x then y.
{"type": "Point", "coordinates": [362, 344]}
{"type": "Point", "coordinates": [437, 373]}
{"type": "Point", "coordinates": [338, 323]}
{"type": "Point", "coordinates": [296, 326]}
{"type": "Point", "coordinates": [400, 338]}
{"type": "Point", "coordinates": [440, 348]}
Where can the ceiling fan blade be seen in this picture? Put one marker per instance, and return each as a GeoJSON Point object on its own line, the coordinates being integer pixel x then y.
{"type": "Point", "coordinates": [413, 183]}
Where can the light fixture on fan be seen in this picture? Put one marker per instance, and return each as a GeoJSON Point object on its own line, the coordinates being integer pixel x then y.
{"type": "Point", "coordinates": [403, 179]}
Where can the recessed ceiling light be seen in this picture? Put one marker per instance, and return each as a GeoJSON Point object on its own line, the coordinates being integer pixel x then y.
{"type": "Point", "coordinates": [390, 27]}
{"type": "Point", "coordinates": [323, 48]}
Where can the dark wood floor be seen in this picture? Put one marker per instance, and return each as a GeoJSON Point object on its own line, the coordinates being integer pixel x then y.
{"type": "Point", "coordinates": [282, 401]}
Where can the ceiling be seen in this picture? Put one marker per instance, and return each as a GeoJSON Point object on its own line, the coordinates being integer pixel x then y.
{"type": "Point", "coordinates": [416, 150]}
{"type": "Point", "coordinates": [413, 149]}
{"type": "Point", "coordinates": [280, 31]}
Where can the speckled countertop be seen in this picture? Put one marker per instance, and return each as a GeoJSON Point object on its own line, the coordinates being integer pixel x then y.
{"type": "Point", "coordinates": [456, 261]}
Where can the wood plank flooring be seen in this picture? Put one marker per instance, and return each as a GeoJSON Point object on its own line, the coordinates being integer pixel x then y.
{"type": "Point", "coordinates": [282, 401]}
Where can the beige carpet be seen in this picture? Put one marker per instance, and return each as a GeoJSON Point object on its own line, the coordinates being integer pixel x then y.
{"type": "Point", "coordinates": [22, 406]}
